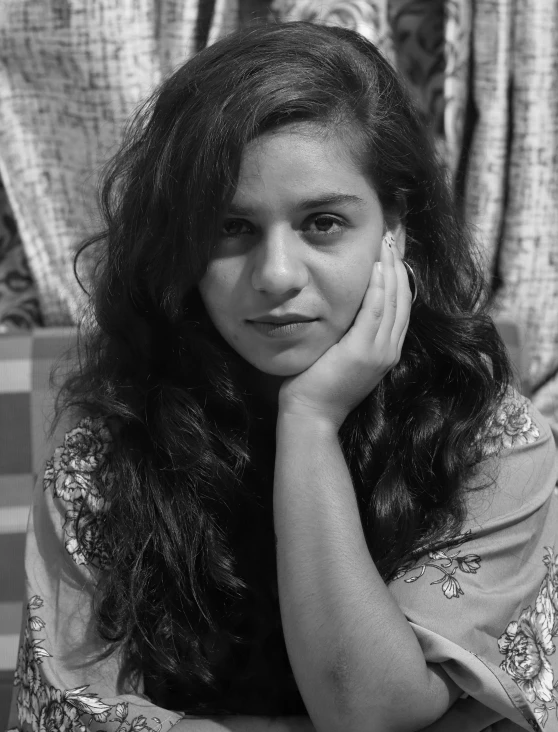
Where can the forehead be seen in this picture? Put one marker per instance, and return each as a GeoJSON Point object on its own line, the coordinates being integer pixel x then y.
{"type": "Point", "coordinates": [302, 162]}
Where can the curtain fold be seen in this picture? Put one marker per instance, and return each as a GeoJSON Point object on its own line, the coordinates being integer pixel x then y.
{"type": "Point", "coordinates": [512, 176]}
{"type": "Point", "coordinates": [529, 256]}
{"type": "Point", "coordinates": [458, 18]}
{"type": "Point", "coordinates": [487, 159]}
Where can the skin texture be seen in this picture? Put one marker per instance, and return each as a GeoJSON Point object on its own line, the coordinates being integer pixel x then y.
{"type": "Point", "coordinates": [316, 261]}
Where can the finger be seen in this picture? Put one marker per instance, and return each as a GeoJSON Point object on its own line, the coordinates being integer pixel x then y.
{"type": "Point", "coordinates": [402, 338]}
{"type": "Point", "coordinates": [384, 335]}
{"type": "Point", "coordinates": [404, 301]}
{"type": "Point", "coordinates": [369, 317]}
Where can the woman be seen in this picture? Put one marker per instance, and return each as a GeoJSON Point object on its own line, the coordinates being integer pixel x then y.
{"type": "Point", "coordinates": [296, 490]}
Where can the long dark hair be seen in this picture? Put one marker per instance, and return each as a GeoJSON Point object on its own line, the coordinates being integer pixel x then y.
{"type": "Point", "coordinates": [189, 528]}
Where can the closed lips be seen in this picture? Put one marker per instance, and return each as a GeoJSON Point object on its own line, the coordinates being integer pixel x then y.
{"type": "Point", "coordinates": [283, 320]}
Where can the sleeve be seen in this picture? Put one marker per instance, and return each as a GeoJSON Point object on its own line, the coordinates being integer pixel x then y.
{"type": "Point", "coordinates": [485, 605]}
{"type": "Point", "coordinates": [60, 682]}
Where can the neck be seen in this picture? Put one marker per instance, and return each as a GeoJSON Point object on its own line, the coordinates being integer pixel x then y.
{"type": "Point", "coordinates": [264, 388]}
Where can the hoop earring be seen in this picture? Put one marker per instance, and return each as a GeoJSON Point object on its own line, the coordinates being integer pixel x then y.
{"type": "Point", "coordinates": [415, 288]}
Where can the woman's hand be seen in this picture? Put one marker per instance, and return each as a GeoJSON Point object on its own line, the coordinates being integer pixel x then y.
{"type": "Point", "coordinates": [348, 371]}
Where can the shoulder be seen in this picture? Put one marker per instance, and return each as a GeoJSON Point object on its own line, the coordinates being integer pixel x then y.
{"type": "Point", "coordinates": [76, 484]}
{"type": "Point", "coordinates": [511, 519]}
{"type": "Point", "coordinates": [514, 423]}
{"type": "Point", "coordinates": [519, 472]}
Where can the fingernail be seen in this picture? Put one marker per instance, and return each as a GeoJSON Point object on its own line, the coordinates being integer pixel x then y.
{"type": "Point", "coordinates": [380, 267]}
{"type": "Point", "coordinates": [389, 240]}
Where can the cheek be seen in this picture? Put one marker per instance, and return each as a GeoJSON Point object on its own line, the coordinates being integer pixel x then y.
{"type": "Point", "coordinates": [215, 289]}
{"type": "Point", "coordinates": [219, 291]}
{"type": "Point", "coordinates": [349, 290]}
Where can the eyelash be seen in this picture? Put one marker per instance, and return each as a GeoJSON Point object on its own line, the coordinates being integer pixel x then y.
{"type": "Point", "coordinates": [315, 218]}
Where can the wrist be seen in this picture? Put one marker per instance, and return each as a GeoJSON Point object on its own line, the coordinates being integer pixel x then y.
{"type": "Point", "coordinates": [294, 418]}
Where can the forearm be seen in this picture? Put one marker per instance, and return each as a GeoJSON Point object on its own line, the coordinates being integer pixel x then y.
{"type": "Point", "coordinates": [245, 723]}
{"type": "Point", "coordinates": [353, 653]}
{"type": "Point", "coordinates": [466, 715]}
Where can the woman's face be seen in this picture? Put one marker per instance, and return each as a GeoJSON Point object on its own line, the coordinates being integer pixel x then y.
{"type": "Point", "coordinates": [299, 239]}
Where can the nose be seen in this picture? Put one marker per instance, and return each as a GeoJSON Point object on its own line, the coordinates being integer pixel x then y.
{"type": "Point", "coordinates": [278, 267]}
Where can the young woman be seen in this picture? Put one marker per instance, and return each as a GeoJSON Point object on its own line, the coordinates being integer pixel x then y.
{"type": "Point", "coordinates": [296, 490]}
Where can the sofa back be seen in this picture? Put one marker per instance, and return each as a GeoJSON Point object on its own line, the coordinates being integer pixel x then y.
{"type": "Point", "coordinates": [26, 402]}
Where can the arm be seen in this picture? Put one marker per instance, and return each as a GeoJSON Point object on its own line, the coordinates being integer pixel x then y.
{"type": "Point", "coordinates": [245, 724]}
{"type": "Point", "coordinates": [466, 715]}
{"type": "Point", "coordinates": [353, 653]}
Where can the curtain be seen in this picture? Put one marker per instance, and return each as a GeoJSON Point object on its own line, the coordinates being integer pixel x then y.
{"type": "Point", "coordinates": [512, 178]}
{"type": "Point", "coordinates": [497, 132]}
{"type": "Point", "coordinates": [71, 73]}
{"type": "Point", "coordinates": [19, 302]}
{"type": "Point", "coordinates": [483, 73]}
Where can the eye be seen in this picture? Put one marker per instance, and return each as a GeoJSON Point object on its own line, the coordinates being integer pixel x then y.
{"type": "Point", "coordinates": [232, 228]}
{"type": "Point", "coordinates": [327, 225]}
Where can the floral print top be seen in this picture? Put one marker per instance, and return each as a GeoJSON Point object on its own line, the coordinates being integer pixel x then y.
{"type": "Point", "coordinates": [484, 606]}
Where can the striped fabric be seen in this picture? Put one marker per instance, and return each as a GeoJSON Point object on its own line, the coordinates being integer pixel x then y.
{"type": "Point", "coordinates": [25, 406]}
{"type": "Point", "coordinates": [25, 363]}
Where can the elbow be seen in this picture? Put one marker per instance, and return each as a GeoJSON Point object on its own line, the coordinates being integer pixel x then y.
{"type": "Point", "coordinates": [398, 706]}
{"type": "Point", "coordinates": [376, 715]}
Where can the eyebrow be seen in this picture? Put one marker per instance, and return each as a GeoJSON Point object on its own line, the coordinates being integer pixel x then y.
{"type": "Point", "coordinates": [328, 199]}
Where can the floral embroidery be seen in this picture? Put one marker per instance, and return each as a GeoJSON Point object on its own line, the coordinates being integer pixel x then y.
{"type": "Point", "coordinates": [446, 563]}
{"type": "Point", "coordinates": [74, 474]}
{"type": "Point", "coordinates": [511, 425]}
{"type": "Point", "coordinates": [528, 641]}
{"type": "Point", "coordinates": [47, 709]}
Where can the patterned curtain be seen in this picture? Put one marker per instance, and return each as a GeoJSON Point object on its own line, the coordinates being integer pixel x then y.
{"type": "Point", "coordinates": [19, 302]}
{"type": "Point", "coordinates": [512, 175]}
{"type": "Point", "coordinates": [71, 72]}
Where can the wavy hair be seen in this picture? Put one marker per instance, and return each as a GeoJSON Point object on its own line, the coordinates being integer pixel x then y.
{"type": "Point", "coordinates": [190, 526]}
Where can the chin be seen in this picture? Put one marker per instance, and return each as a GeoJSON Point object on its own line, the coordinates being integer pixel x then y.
{"type": "Point", "coordinates": [284, 367]}
{"type": "Point", "coordinates": [284, 372]}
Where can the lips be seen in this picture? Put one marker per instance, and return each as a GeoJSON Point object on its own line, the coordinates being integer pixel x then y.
{"type": "Point", "coordinates": [281, 330]}
{"type": "Point", "coordinates": [279, 322]}
{"type": "Point", "coordinates": [283, 320]}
